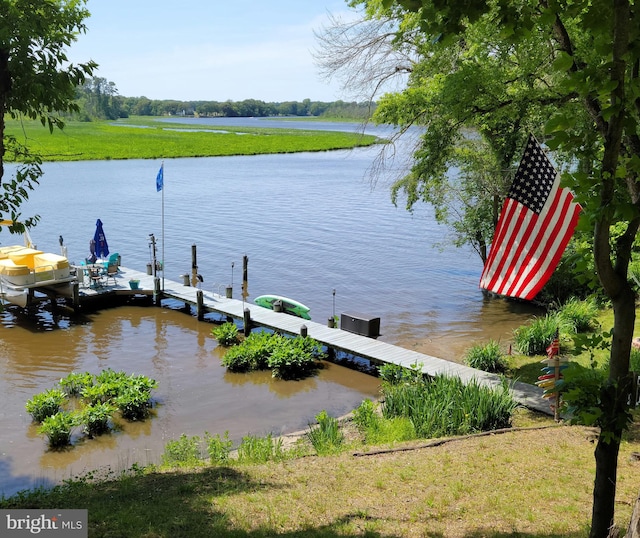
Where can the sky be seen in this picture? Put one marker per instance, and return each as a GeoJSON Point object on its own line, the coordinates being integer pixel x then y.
{"type": "Point", "coordinates": [212, 50]}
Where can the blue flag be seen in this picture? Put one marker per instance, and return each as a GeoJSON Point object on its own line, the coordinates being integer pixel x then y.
{"type": "Point", "coordinates": [160, 178]}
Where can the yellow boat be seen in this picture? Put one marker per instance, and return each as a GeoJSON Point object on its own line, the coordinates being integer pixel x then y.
{"type": "Point", "coordinates": [24, 267]}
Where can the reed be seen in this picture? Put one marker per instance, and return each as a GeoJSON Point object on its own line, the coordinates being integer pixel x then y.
{"type": "Point", "coordinates": [446, 406]}
{"type": "Point", "coordinates": [487, 357]}
{"type": "Point", "coordinates": [534, 338]}
{"type": "Point", "coordinates": [253, 449]}
{"type": "Point", "coordinates": [326, 437]}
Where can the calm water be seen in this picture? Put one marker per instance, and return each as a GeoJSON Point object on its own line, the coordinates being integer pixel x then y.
{"type": "Point", "coordinates": [310, 223]}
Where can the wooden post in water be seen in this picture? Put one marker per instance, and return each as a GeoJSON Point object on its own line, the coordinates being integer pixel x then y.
{"type": "Point", "coordinates": [247, 321]}
{"type": "Point", "coordinates": [157, 298]}
{"type": "Point", "coordinates": [303, 331]}
{"type": "Point", "coordinates": [200, 305]}
{"type": "Point", "coordinates": [194, 266]}
{"type": "Point", "coordinates": [75, 294]}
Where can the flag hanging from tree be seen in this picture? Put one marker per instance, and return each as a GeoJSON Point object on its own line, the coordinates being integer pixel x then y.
{"type": "Point", "coordinates": [536, 223]}
{"type": "Point", "coordinates": [160, 178]}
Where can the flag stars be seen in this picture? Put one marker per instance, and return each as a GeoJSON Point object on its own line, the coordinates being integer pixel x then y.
{"type": "Point", "coordinates": [533, 180]}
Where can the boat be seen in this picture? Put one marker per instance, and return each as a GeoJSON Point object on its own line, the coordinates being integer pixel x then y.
{"type": "Point", "coordinates": [289, 306]}
{"type": "Point", "coordinates": [23, 267]}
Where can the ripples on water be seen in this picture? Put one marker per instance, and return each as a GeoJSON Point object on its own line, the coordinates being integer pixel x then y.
{"type": "Point", "coordinates": [310, 223]}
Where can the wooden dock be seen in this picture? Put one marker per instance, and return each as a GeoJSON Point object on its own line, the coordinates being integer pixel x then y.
{"type": "Point", "coordinates": [357, 345]}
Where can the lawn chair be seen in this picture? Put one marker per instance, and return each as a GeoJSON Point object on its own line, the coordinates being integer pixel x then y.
{"type": "Point", "coordinates": [111, 268]}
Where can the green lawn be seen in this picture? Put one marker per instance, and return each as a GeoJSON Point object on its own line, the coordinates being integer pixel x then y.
{"type": "Point", "coordinates": [147, 138]}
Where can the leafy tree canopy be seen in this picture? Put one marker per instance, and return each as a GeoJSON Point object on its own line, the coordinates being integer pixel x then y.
{"type": "Point", "coordinates": [36, 80]}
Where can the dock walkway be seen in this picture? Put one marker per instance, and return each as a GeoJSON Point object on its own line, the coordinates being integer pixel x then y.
{"type": "Point", "coordinates": [376, 351]}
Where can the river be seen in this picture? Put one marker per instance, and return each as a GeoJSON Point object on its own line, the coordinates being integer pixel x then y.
{"type": "Point", "coordinates": [310, 223]}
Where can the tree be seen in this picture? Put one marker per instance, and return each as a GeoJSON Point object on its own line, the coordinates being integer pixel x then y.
{"type": "Point", "coordinates": [594, 65]}
{"type": "Point", "coordinates": [469, 85]}
{"type": "Point", "coordinates": [36, 80]}
{"type": "Point", "coordinates": [99, 99]}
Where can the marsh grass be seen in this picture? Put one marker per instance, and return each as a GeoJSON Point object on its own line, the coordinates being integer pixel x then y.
{"type": "Point", "coordinates": [446, 406]}
{"type": "Point", "coordinates": [488, 357]}
{"type": "Point", "coordinates": [326, 437]}
{"type": "Point", "coordinates": [147, 138]}
{"type": "Point", "coordinates": [534, 338]}
{"type": "Point", "coordinates": [254, 449]}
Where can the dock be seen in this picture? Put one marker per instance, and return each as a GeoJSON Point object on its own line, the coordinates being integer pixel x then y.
{"type": "Point", "coordinates": [371, 349]}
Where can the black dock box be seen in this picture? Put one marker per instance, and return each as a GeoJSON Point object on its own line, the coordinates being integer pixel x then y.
{"type": "Point", "coordinates": [360, 324]}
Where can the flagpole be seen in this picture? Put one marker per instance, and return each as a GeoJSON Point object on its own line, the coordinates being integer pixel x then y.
{"type": "Point", "coordinates": [163, 226]}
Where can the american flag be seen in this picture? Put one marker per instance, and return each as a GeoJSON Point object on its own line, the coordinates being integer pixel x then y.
{"type": "Point", "coordinates": [537, 220]}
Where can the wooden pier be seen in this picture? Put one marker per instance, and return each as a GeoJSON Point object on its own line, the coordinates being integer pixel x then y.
{"type": "Point", "coordinates": [376, 351]}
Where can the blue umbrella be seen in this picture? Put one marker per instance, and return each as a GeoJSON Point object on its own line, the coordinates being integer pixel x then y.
{"type": "Point", "coordinates": [102, 248]}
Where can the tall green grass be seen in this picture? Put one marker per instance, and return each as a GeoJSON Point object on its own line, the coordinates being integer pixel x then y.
{"type": "Point", "coordinates": [445, 406]}
{"type": "Point", "coordinates": [534, 338]}
{"type": "Point", "coordinates": [326, 437]}
{"type": "Point", "coordinates": [574, 316]}
{"type": "Point", "coordinates": [487, 357]}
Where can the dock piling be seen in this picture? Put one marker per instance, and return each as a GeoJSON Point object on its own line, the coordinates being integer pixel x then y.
{"type": "Point", "coordinates": [247, 321]}
{"type": "Point", "coordinates": [200, 305]}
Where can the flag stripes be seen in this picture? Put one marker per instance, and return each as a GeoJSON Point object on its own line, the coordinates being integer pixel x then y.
{"type": "Point", "coordinates": [535, 225]}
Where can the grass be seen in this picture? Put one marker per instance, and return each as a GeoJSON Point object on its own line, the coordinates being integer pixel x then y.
{"type": "Point", "coordinates": [143, 138]}
{"type": "Point", "coordinates": [525, 483]}
{"type": "Point", "coordinates": [528, 368]}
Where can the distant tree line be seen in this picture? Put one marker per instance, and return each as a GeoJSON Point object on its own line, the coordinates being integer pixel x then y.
{"type": "Point", "coordinates": [98, 98]}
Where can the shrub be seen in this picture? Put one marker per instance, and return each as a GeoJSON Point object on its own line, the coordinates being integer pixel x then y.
{"type": "Point", "coordinates": [226, 334]}
{"type": "Point", "coordinates": [582, 389]}
{"type": "Point", "coordinates": [218, 448]}
{"type": "Point", "coordinates": [45, 404]}
{"type": "Point", "coordinates": [252, 354]}
{"type": "Point", "coordinates": [533, 339]}
{"type": "Point", "coordinates": [486, 357]}
{"type": "Point", "coordinates": [58, 428]}
{"type": "Point", "coordinates": [184, 451]}
{"type": "Point", "coordinates": [326, 437]}
{"type": "Point", "coordinates": [260, 449]}
{"type": "Point", "coordinates": [101, 394]}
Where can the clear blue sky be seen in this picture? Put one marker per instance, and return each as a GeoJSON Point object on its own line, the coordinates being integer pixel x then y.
{"type": "Point", "coordinates": [209, 49]}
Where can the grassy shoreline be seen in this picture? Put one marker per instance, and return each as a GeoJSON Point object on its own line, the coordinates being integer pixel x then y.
{"type": "Point", "coordinates": [147, 138]}
{"type": "Point", "coordinates": [526, 482]}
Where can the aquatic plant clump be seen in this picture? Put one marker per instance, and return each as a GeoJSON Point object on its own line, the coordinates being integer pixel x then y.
{"type": "Point", "coordinates": [288, 358]}
{"type": "Point", "coordinates": [90, 402]}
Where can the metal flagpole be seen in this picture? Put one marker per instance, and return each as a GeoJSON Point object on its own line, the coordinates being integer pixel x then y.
{"type": "Point", "coordinates": [163, 226]}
